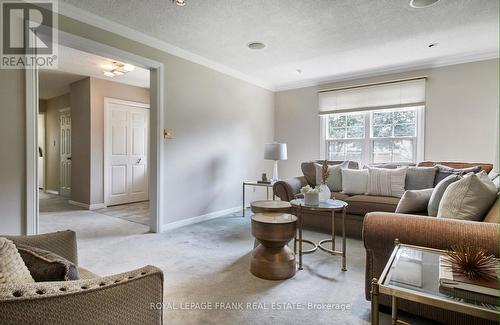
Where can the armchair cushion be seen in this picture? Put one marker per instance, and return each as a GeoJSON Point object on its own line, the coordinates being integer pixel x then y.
{"type": "Point", "coordinates": [47, 266]}
{"type": "Point", "coordinates": [12, 267]}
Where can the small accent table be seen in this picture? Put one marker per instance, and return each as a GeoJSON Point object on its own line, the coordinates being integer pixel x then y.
{"type": "Point", "coordinates": [272, 259]}
{"type": "Point", "coordinates": [255, 183]}
{"type": "Point", "coordinates": [268, 206]}
{"type": "Point", "coordinates": [328, 206]}
{"type": "Point", "coordinates": [412, 273]}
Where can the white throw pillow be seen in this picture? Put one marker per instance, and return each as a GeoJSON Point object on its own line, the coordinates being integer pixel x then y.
{"type": "Point", "coordinates": [354, 181]}
{"type": "Point", "coordinates": [414, 201]}
{"type": "Point", "coordinates": [12, 267]}
{"type": "Point", "coordinates": [386, 182]}
{"type": "Point", "coordinates": [469, 198]}
{"type": "Point", "coordinates": [334, 180]}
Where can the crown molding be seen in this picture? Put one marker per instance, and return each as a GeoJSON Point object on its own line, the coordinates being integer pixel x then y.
{"type": "Point", "coordinates": [134, 35]}
{"type": "Point", "coordinates": [436, 63]}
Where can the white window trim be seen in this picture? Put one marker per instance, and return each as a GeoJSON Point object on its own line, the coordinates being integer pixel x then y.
{"type": "Point", "coordinates": [419, 147]}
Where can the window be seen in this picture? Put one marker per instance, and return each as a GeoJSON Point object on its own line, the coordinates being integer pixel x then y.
{"type": "Point", "coordinates": [378, 136]}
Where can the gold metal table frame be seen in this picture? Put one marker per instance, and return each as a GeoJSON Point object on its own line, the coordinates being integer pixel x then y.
{"type": "Point", "coordinates": [379, 286]}
{"type": "Point", "coordinates": [330, 206]}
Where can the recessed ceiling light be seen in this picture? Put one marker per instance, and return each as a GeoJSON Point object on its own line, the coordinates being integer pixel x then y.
{"type": "Point", "coordinates": [180, 3]}
{"type": "Point", "coordinates": [299, 71]}
{"type": "Point", "coordinates": [256, 45]}
{"type": "Point", "coordinates": [418, 4]}
{"type": "Point", "coordinates": [433, 45]}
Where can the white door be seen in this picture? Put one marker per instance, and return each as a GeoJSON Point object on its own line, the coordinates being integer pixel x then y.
{"type": "Point", "coordinates": [126, 151]}
{"type": "Point", "coordinates": [65, 151]}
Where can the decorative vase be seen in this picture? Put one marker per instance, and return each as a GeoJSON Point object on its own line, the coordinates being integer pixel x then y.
{"type": "Point", "coordinates": [311, 199]}
{"type": "Point", "coordinates": [324, 193]}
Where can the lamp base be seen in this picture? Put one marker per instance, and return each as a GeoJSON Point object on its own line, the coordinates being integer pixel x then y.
{"type": "Point", "coordinates": [275, 172]}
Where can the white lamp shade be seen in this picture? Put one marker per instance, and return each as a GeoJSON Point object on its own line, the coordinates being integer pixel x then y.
{"type": "Point", "coordinates": [275, 151]}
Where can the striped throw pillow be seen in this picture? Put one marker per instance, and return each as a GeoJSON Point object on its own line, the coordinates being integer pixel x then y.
{"type": "Point", "coordinates": [386, 182]}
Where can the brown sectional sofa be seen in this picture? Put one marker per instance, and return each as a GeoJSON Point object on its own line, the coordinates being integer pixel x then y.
{"type": "Point", "coordinates": [359, 205]}
{"type": "Point", "coordinates": [373, 219]}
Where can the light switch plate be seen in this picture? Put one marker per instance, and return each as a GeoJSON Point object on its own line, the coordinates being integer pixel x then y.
{"type": "Point", "coordinates": [168, 133]}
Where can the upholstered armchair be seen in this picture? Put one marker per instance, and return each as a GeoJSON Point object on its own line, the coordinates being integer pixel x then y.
{"type": "Point", "coordinates": [133, 297]}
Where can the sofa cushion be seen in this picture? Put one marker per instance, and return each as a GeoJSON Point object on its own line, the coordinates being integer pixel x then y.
{"type": "Point", "coordinates": [362, 204]}
{"type": "Point", "coordinates": [12, 267]}
{"type": "Point", "coordinates": [445, 171]}
{"type": "Point", "coordinates": [437, 193]}
{"type": "Point", "coordinates": [469, 198]}
{"type": "Point", "coordinates": [340, 196]}
{"type": "Point", "coordinates": [46, 266]}
{"type": "Point", "coordinates": [419, 178]}
{"type": "Point", "coordinates": [386, 182]}
{"type": "Point", "coordinates": [354, 182]}
{"type": "Point", "coordinates": [414, 201]}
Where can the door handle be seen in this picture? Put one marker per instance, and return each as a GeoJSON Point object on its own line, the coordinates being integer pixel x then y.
{"type": "Point", "coordinates": [69, 158]}
{"type": "Point", "coordinates": [138, 160]}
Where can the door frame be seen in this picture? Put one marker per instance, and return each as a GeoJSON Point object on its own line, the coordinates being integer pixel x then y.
{"type": "Point", "coordinates": [156, 126]}
{"type": "Point", "coordinates": [107, 101]}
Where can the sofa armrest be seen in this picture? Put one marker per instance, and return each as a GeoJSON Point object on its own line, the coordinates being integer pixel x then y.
{"type": "Point", "coordinates": [287, 189]}
{"type": "Point", "coordinates": [133, 298]}
{"type": "Point", "coordinates": [380, 229]}
{"type": "Point", "coordinates": [62, 243]}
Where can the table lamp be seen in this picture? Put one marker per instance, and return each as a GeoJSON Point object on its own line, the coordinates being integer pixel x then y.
{"type": "Point", "coordinates": [275, 151]}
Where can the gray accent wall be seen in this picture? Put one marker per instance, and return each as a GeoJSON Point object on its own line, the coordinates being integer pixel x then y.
{"type": "Point", "coordinates": [460, 115]}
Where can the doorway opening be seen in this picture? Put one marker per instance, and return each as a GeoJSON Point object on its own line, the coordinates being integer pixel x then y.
{"type": "Point", "coordinates": [92, 160]}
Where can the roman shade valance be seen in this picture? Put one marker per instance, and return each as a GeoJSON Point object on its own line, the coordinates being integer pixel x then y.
{"type": "Point", "coordinates": [394, 94]}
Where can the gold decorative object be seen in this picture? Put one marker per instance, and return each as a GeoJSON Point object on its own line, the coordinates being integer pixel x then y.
{"type": "Point", "coordinates": [324, 172]}
{"type": "Point", "coordinates": [473, 262]}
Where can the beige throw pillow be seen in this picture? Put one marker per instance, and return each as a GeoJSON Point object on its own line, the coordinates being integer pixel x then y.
{"type": "Point", "coordinates": [334, 180]}
{"type": "Point", "coordinates": [12, 267]}
{"type": "Point", "coordinates": [386, 182]}
{"type": "Point", "coordinates": [354, 181]}
{"type": "Point", "coordinates": [469, 198]}
{"type": "Point", "coordinates": [414, 201]}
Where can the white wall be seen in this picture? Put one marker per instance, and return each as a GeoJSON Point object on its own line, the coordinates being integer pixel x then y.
{"type": "Point", "coordinates": [460, 116]}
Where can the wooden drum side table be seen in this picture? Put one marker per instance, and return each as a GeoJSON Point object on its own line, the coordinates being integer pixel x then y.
{"type": "Point", "coordinates": [272, 259]}
{"type": "Point", "coordinates": [328, 206]}
{"type": "Point", "coordinates": [268, 206]}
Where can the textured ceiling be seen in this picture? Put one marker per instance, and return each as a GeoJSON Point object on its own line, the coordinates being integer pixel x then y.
{"type": "Point", "coordinates": [74, 65]}
{"type": "Point", "coordinates": [326, 39]}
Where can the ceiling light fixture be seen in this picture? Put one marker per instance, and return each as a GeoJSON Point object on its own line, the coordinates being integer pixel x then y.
{"type": "Point", "coordinates": [419, 4]}
{"type": "Point", "coordinates": [299, 71]}
{"type": "Point", "coordinates": [256, 45]}
{"type": "Point", "coordinates": [117, 69]}
{"type": "Point", "coordinates": [433, 45]}
{"type": "Point", "coordinates": [180, 3]}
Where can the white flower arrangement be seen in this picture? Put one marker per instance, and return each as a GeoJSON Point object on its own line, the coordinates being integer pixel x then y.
{"type": "Point", "coordinates": [311, 195]}
{"type": "Point", "coordinates": [309, 190]}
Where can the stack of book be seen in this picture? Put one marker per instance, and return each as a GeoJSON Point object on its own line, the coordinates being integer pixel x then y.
{"type": "Point", "coordinates": [460, 286]}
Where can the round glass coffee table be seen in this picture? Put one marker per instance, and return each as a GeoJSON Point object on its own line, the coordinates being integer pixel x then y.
{"type": "Point", "coordinates": [327, 206]}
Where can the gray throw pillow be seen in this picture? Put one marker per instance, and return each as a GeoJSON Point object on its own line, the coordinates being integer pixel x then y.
{"type": "Point", "coordinates": [469, 198]}
{"type": "Point", "coordinates": [445, 171]}
{"type": "Point", "coordinates": [419, 178]}
{"type": "Point", "coordinates": [334, 180]}
{"type": "Point", "coordinates": [437, 194]}
{"type": "Point", "coordinates": [414, 201]}
{"type": "Point", "coordinates": [354, 181]}
{"type": "Point", "coordinates": [47, 266]}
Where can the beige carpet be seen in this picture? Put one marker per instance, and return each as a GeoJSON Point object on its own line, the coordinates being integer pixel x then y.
{"type": "Point", "coordinates": [207, 264]}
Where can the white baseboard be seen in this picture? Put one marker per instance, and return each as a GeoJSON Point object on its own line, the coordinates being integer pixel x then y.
{"type": "Point", "coordinates": [52, 192]}
{"type": "Point", "coordinates": [88, 206]}
{"type": "Point", "coordinates": [191, 221]}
